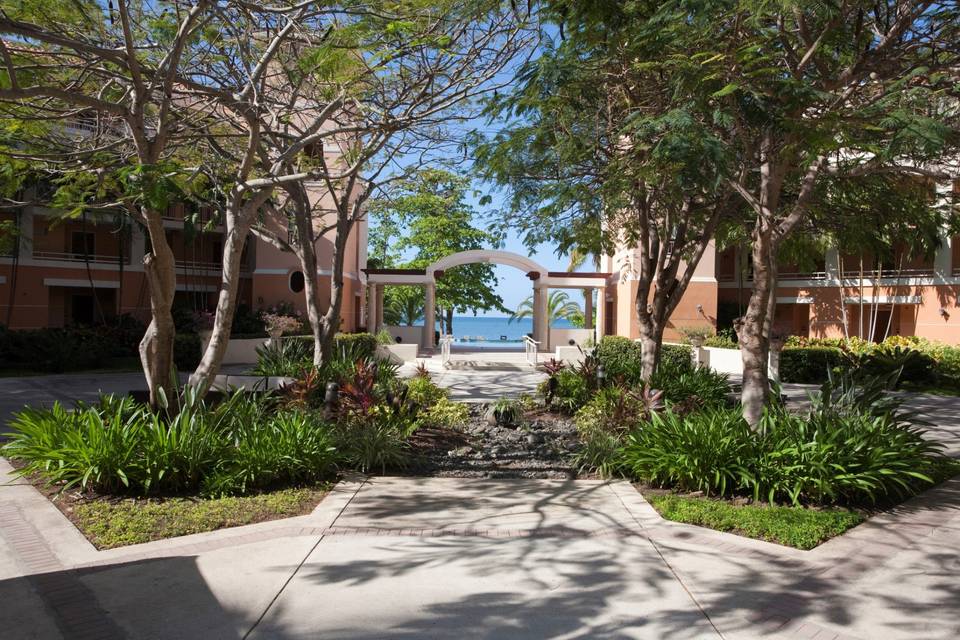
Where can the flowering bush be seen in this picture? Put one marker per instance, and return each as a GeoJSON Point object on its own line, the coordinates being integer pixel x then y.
{"type": "Point", "coordinates": [279, 325]}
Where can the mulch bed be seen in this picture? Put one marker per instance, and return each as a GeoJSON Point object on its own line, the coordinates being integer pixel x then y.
{"type": "Point", "coordinates": [540, 445]}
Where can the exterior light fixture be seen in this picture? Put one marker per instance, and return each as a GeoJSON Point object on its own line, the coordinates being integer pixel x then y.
{"type": "Point", "coordinates": [601, 375]}
{"type": "Point", "coordinates": [330, 397]}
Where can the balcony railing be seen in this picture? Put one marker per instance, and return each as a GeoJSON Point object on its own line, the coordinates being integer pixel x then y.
{"type": "Point", "coordinates": [64, 256]}
{"type": "Point", "coordinates": [784, 275]}
{"type": "Point", "coordinates": [201, 265]}
{"type": "Point", "coordinates": [889, 273]}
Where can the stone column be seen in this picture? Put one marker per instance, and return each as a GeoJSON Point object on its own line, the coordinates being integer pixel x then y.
{"type": "Point", "coordinates": [541, 320]}
{"type": "Point", "coordinates": [379, 307]}
{"type": "Point", "coordinates": [372, 308]}
{"type": "Point", "coordinates": [588, 309]}
{"type": "Point", "coordinates": [429, 315]}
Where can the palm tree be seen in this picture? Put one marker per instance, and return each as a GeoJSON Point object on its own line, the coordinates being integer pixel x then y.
{"type": "Point", "coordinates": [559, 307]}
{"type": "Point", "coordinates": [402, 306]}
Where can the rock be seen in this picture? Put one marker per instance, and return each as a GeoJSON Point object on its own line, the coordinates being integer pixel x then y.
{"type": "Point", "coordinates": [534, 439]}
{"type": "Point", "coordinates": [498, 451]}
{"type": "Point", "coordinates": [490, 416]}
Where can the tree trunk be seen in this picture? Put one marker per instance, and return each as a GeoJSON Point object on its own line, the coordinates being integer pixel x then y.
{"type": "Point", "coordinates": [651, 341]}
{"type": "Point", "coordinates": [306, 252]}
{"type": "Point", "coordinates": [209, 366]}
{"type": "Point", "coordinates": [156, 348]}
{"type": "Point", "coordinates": [449, 321]}
{"type": "Point", "coordinates": [331, 319]}
{"type": "Point", "coordinates": [754, 332]}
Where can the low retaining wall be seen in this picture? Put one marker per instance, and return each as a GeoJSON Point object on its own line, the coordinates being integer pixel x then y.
{"type": "Point", "coordinates": [250, 383]}
{"type": "Point", "coordinates": [722, 360]}
{"type": "Point", "coordinates": [562, 337]}
{"type": "Point", "coordinates": [399, 353]}
{"type": "Point", "coordinates": [239, 351]}
{"type": "Point", "coordinates": [407, 335]}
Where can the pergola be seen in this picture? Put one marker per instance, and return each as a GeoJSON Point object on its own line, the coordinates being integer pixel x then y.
{"type": "Point", "coordinates": [427, 278]}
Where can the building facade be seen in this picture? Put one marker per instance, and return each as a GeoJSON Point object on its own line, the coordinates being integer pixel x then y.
{"type": "Point", "coordinates": [835, 299]}
{"type": "Point", "coordinates": [64, 273]}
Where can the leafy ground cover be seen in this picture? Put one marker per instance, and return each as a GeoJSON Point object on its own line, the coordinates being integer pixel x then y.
{"type": "Point", "coordinates": [115, 523]}
{"type": "Point", "coordinates": [796, 527]}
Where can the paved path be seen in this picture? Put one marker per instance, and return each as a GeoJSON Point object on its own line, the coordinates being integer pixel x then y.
{"type": "Point", "coordinates": [495, 559]}
{"type": "Point", "coordinates": [482, 377]}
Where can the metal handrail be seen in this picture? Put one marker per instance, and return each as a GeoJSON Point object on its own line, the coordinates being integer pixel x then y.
{"type": "Point", "coordinates": [531, 347]}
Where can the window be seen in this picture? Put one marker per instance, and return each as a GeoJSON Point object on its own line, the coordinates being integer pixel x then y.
{"type": "Point", "coordinates": [82, 243]}
{"type": "Point", "coordinates": [297, 281]}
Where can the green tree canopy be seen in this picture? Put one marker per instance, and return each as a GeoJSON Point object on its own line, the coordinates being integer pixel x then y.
{"type": "Point", "coordinates": [423, 219]}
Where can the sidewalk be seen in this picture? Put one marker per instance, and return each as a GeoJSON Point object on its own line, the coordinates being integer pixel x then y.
{"type": "Point", "coordinates": [442, 557]}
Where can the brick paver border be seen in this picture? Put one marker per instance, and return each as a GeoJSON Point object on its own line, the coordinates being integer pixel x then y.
{"type": "Point", "coordinates": [73, 606]}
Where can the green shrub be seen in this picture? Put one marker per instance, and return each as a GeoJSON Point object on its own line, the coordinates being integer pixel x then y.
{"type": "Point", "coordinates": [285, 357]}
{"type": "Point", "coordinates": [853, 446]}
{"type": "Point", "coordinates": [948, 369]}
{"type": "Point", "coordinates": [571, 391]}
{"type": "Point", "coordinates": [676, 357]}
{"type": "Point", "coordinates": [358, 345]}
{"type": "Point", "coordinates": [446, 414]}
{"type": "Point", "coordinates": [620, 357]}
{"type": "Point", "coordinates": [285, 448]}
{"type": "Point", "coordinates": [810, 364]}
{"type": "Point", "coordinates": [118, 445]}
{"type": "Point", "coordinates": [602, 424]}
{"type": "Point", "coordinates": [374, 439]}
{"type": "Point", "coordinates": [711, 451]}
{"type": "Point", "coordinates": [186, 351]}
{"type": "Point", "coordinates": [724, 339]}
{"type": "Point", "coordinates": [691, 388]}
{"type": "Point", "coordinates": [424, 392]}
{"type": "Point", "coordinates": [55, 350]}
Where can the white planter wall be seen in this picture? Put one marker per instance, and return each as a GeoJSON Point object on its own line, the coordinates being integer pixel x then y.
{"type": "Point", "coordinates": [399, 353]}
{"type": "Point", "coordinates": [407, 335]}
{"type": "Point", "coordinates": [722, 360]}
{"type": "Point", "coordinates": [243, 351]}
{"type": "Point", "coordinates": [562, 337]}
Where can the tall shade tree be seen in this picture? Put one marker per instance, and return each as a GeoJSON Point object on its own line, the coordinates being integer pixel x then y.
{"type": "Point", "coordinates": [88, 92]}
{"type": "Point", "coordinates": [342, 101]}
{"type": "Point", "coordinates": [427, 217]}
{"type": "Point", "coordinates": [597, 157]}
{"type": "Point", "coordinates": [799, 93]}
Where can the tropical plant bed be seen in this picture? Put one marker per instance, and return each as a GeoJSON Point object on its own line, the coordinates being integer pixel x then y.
{"type": "Point", "coordinates": [792, 526]}
{"type": "Point", "coordinates": [114, 521]}
{"type": "Point", "coordinates": [797, 527]}
{"type": "Point", "coordinates": [539, 444]}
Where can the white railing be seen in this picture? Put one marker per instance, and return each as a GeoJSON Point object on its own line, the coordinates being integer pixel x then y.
{"type": "Point", "coordinates": [445, 342]}
{"type": "Point", "coordinates": [78, 257]}
{"type": "Point", "coordinates": [532, 348]}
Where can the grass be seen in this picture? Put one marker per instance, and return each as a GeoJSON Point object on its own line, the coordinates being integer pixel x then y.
{"type": "Point", "coordinates": [791, 526]}
{"type": "Point", "coordinates": [109, 524]}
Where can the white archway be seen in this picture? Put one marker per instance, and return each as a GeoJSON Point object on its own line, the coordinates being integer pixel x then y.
{"type": "Point", "coordinates": [487, 256]}
{"type": "Point", "coordinates": [427, 278]}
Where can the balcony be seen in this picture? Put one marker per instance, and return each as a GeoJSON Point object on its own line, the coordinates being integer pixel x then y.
{"type": "Point", "coordinates": [215, 266]}
{"type": "Point", "coordinates": [783, 275]}
{"type": "Point", "coordinates": [69, 256]}
{"type": "Point", "coordinates": [918, 272]}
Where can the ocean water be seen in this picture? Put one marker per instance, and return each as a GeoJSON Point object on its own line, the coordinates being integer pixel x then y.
{"type": "Point", "coordinates": [493, 332]}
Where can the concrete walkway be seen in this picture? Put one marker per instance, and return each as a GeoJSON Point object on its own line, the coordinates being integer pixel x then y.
{"type": "Point", "coordinates": [496, 559]}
